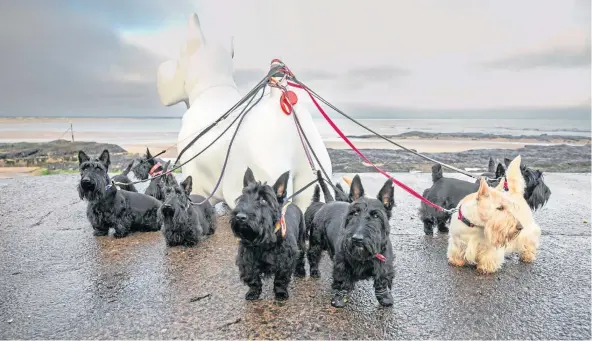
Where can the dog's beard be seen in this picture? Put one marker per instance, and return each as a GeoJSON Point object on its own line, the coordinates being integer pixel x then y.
{"type": "Point", "coordinates": [94, 194]}
{"type": "Point", "coordinates": [253, 232]}
{"type": "Point", "coordinates": [362, 252]}
{"type": "Point", "coordinates": [173, 221]}
{"type": "Point", "coordinates": [141, 171]}
{"type": "Point", "coordinates": [501, 229]}
{"type": "Point", "coordinates": [538, 197]}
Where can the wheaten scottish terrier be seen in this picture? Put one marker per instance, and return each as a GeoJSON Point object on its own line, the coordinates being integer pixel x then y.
{"type": "Point", "coordinates": [492, 223]}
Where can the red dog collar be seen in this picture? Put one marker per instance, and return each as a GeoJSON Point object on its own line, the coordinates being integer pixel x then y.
{"type": "Point", "coordinates": [153, 171]}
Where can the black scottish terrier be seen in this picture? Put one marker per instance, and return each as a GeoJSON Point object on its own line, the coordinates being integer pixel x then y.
{"type": "Point", "coordinates": [156, 188]}
{"type": "Point", "coordinates": [536, 193]}
{"type": "Point", "coordinates": [316, 203]}
{"type": "Point", "coordinates": [123, 181]}
{"type": "Point", "coordinates": [272, 236]}
{"type": "Point", "coordinates": [109, 207]}
{"type": "Point", "coordinates": [183, 222]}
{"type": "Point", "coordinates": [147, 166]}
{"type": "Point", "coordinates": [356, 235]}
{"type": "Point", "coordinates": [448, 192]}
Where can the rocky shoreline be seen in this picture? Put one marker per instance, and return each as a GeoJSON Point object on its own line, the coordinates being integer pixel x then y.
{"type": "Point", "coordinates": [61, 155]}
{"type": "Point", "coordinates": [481, 136]}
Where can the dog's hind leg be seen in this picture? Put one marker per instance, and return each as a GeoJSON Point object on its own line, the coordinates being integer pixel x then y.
{"type": "Point", "coordinates": [428, 228]}
{"type": "Point", "coordinates": [441, 221]}
{"type": "Point", "coordinates": [280, 284]}
{"type": "Point", "coordinates": [121, 230]}
{"type": "Point", "coordinates": [314, 251]}
{"type": "Point", "coordinates": [300, 270]}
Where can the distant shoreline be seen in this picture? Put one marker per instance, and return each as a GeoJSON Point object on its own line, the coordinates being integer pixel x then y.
{"type": "Point", "coordinates": [61, 156]}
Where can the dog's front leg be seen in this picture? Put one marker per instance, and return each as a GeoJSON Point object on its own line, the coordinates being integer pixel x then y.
{"type": "Point", "coordinates": [382, 284]}
{"type": "Point", "coordinates": [343, 282]}
{"type": "Point", "coordinates": [250, 275]}
{"type": "Point", "coordinates": [281, 281]}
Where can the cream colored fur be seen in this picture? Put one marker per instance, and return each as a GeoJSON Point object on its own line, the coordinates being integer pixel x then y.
{"type": "Point", "coordinates": [505, 224]}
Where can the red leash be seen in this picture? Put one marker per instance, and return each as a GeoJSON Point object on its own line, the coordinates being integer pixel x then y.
{"type": "Point", "coordinates": [351, 145]}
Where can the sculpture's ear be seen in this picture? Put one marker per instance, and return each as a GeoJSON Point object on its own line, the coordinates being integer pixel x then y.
{"type": "Point", "coordinates": [194, 32]}
{"type": "Point", "coordinates": [170, 82]}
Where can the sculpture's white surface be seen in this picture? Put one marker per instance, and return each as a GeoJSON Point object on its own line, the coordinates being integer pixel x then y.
{"type": "Point", "coordinates": [267, 140]}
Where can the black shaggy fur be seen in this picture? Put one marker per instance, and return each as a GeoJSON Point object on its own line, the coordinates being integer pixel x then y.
{"type": "Point", "coordinates": [356, 235]}
{"type": "Point", "coordinates": [144, 164]}
{"type": "Point", "coordinates": [156, 188]}
{"type": "Point", "coordinates": [316, 202]}
{"type": "Point", "coordinates": [124, 179]}
{"type": "Point", "coordinates": [263, 250]}
{"type": "Point", "coordinates": [109, 207]}
{"type": "Point", "coordinates": [184, 223]}
{"type": "Point", "coordinates": [536, 193]}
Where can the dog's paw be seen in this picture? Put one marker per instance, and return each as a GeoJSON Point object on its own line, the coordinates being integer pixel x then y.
{"type": "Point", "coordinates": [485, 270]}
{"type": "Point", "coordinates": [314, 273]}
{"type": "Point", "coordinates": [281, 296]}
{"type": "Point", "coordinates": [120, 234]}
{"type": "Point", "coordinates": [527, 257]}
{"type": "Point", "coordinates": [100, 233]}
{"type": "Point", "coordinates": [385, 299]}
{"type": "Point", "coordinates": [456, 261]}
{"type": "Point", "coordinates": [339, 301]}
{"type": "Point", "coordinates": [428, 231]}
{"type": "Point", "coordinates": [253, 294]}
{"type": "Point", "coordinates": [300, 272]}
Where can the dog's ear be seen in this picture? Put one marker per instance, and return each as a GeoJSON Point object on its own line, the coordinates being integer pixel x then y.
{"type": "Point", "coordinates": [281, 186]}
{"type": "Point", "coordinates": [187, 184]}
{"type": "Point", "coordinates": [356, 190]}
{"type": "Point", "coordinates": [105, 159]}
{"type": "Point", "coordinates": [507, 162]}
{"type": "Point", "coordinates": [500, 171]}
{"type": "Point", "coordinates": [82, 157]}
{"type": "Point", "coordinates": [249, 178]}
{"type": "Point", "coordinates": [386, 195]}
{"type": "Point", "coordinates": [514, 175]}
{"type": "Point", "coordinates": [491, 165]}
{"type": "Point", "coordinates": [148, 155]}
{"type": "Point", "coordinates": [483, 191]}
{"type": "Point", "coordinates": [195, 37]}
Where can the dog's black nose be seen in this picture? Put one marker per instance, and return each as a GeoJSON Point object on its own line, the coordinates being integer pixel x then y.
{"type": "Point", "coordinates": [241, 217]}
{"type": "Point", "coordinates": [358, 239]}
{"type": "Point", "coordinates": [167, 209]}
{"type": "Point", "coordinates": [86, 183]}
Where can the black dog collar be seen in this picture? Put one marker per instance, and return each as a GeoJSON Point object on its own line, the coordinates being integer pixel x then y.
{"type": "Point", "coordinates": [463, 219]}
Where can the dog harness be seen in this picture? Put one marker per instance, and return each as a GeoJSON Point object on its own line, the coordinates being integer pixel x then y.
{"type": "Point", "coordinates": [153, 171]}
{"type": "Point", "coordinates": [463, 219]}
{"type": "Point", "coordinates": [280, 225]}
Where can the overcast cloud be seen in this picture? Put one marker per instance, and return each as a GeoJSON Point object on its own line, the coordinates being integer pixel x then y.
{"type": "Point", "coordinates": [74, 57]}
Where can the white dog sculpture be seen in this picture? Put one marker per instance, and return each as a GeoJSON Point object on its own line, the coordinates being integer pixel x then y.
{"type": "Point", "coordinates": [267, 140]}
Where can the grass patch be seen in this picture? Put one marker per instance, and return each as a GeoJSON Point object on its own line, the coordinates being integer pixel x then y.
{"type": "Point", "coordinates": [47, 171]}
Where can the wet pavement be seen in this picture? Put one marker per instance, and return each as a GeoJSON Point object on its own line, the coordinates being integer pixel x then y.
{"type": "Point", "coordinates": [59, 281]}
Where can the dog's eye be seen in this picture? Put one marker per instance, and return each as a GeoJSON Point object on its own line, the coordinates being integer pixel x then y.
{"type": "Point", "coordinates": [374, 214]}
{"type": "Point", "coordinates": [263, 201]}
{"type": "Point", "coordinates": [500, 208]}
{"type": "Point", "coordinates": [356, 213]}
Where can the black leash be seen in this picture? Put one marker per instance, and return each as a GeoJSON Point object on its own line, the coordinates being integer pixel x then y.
{"type": "Point", "coordinates": [249, 96]}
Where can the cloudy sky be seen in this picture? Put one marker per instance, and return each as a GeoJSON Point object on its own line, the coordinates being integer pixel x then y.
{"type": "Point", "coordinates": [76, 57]}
